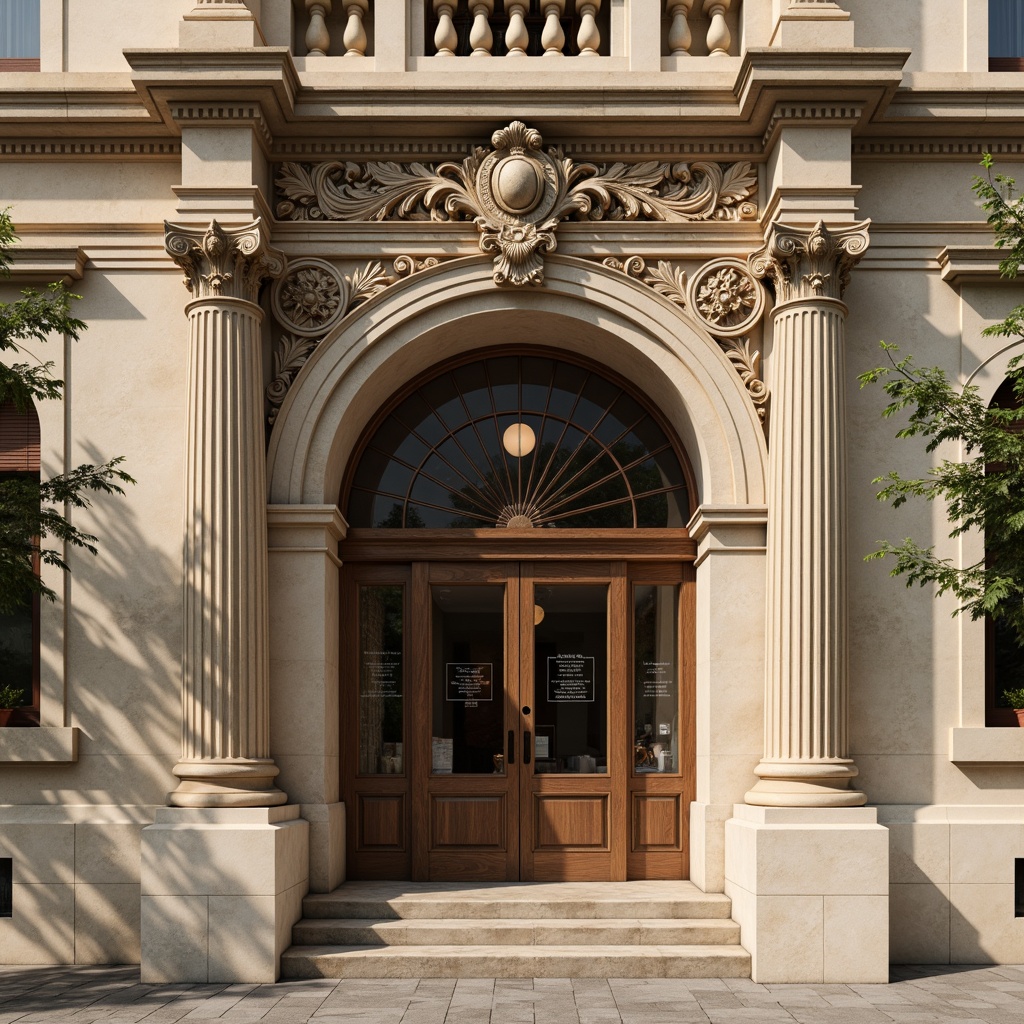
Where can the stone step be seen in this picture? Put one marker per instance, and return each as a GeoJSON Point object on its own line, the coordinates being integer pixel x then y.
{"type": "Point", "coordinates": [517, 961]}
{"type": "Point", "coordinates": [510, 931]}
{"type": "Point", "coordinates": [520, 901]}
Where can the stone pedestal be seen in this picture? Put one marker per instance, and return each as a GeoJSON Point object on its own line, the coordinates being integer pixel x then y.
{"type": "Point", "coordinates": [810, 891]}
{"type": "Point", "coordinates": [221, 889]}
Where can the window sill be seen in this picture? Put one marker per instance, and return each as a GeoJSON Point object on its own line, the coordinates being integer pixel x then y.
{"type": "Point", "coordinates": [44, 745]}
{"type": "Point", "coordinates": [986, 748]}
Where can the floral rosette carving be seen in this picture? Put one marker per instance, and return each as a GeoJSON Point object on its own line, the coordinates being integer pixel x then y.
{"type": "Point", "coordinates": [726, 298]}
{"type": "Point", "coordinates": [310, 298]}
{"type": "Point", "coordinates": [517, 193]}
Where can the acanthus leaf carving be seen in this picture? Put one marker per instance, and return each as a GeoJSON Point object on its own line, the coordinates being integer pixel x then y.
{"type": "Point", "coordinates": [324, 296]}
{"type": "Point", "coordinates": [810, 262]}
{"type": "Point", "coordinates": [517, 193]}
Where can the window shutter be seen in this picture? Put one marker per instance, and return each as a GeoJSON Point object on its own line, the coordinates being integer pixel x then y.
{"type": "Point", "coordinates": [19, 440]}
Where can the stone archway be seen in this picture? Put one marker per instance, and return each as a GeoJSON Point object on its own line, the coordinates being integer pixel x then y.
{"type": "Point", "coordinates": [582, 308]}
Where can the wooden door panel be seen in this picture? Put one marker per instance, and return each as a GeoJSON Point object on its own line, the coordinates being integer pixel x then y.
{"type": "Point", "coordinates": [570, 822]}
{"type": "Point", "coordinates": [657, 822]}
{"type": "Point", "coordinates": [468, 821]}
{"type": "Point", "coordinates": [380, 822]}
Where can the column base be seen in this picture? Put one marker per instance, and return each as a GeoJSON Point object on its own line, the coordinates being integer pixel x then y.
{"type": "Point", "coordinates": [221, 889]}
{"type": "Point", "coordinates": [227, 782]}
{"type": "Point", "coordinates": [810, 891]}
{"type": "Point", "coordinates": [805, 784]}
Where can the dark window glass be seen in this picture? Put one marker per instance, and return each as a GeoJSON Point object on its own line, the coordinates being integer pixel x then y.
{"type": "Point", "coordinates": [19, 29]}
{"type": "Point", "coordinates": [1005, 28]}
{"type": "Point", "coordinates": [521, 441]}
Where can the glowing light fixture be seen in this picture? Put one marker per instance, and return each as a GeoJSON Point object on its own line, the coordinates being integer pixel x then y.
{"type": "Point", "coordinates": [538, 615]}
{"type": "Point", "coordinates": [519, 440]}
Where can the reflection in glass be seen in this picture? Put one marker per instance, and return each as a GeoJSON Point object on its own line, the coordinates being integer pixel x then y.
{"type": "Point", "coordinates": [656, 678]}
{"type": "Point", "coordinates": [380, 680]}
{"type": "Point", "coordinates": [468, 674]}
{"type": "Point", "coordinates": [571, 679]}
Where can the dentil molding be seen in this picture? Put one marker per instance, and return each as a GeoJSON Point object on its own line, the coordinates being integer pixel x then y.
{"type": "Point", "coordinates": [517, 192]}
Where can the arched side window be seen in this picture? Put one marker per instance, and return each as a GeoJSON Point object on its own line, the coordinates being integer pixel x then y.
{"type": "Point", "coordinates": [1004, 655]}
{"type": "Point", "coordinates": [19, 630]}
{"type": "Point", "coordinates": [19, 35]}
{"type": "Point", "coordinates": [1005, 35]}
{"type": "Point", "coordinates": [520, 441]}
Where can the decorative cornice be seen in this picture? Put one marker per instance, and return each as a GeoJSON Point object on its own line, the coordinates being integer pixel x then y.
{"type": "Point", "coordinates": [516, 193]}
{"type": "Point", "coordinates": [978, 264]}
{"type": "Point", "coordinates": [204, 114]}
{"type": "Point", "coordinates": [801, 113]}
{"type": "Point", "coordinates": [902, 146]}
{"type": "Point", "coordinates": [113, 149]}
{"type": "Point", "coordinates": [809, 262]}
{"type": "Point", "coordinates": [223, 263]}
{"type": "Point", "coordinates": [43, 264]}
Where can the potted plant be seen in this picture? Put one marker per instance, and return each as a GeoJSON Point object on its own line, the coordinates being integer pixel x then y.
{"type": "Point", "coordinates": [11, 698]}
{"type": "Point", "coordinates": [1014, 697]}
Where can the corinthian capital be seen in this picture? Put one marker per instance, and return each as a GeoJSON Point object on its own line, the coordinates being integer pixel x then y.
{"type": "Point", "coordinates": [223, 262]}
{"type": "Point", "coordinates": [808, 263]}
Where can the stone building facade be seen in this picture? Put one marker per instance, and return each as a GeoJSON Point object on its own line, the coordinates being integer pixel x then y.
{"type": "Point", "coordinates": [708, 211]}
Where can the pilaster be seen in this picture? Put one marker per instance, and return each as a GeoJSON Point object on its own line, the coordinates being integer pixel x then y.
{"type": "Point", "coordinates": [806, 759]}
{"type": "Point", "coordinates": [225, 758]}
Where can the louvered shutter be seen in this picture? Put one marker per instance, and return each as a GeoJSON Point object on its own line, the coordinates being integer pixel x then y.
{"type": "Point", "coordinates": [19, 440]}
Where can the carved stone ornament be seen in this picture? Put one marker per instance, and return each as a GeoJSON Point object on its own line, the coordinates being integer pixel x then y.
{"type": "Point", "coordinates": [810, 262]}
{"type": "Point", "coordinates": [310, 300]}
{"type": "Point", "coordinates": [517, 193]}
{"type": "Point", "coordinates": [726, 298]}
{"type": "Point", "coordinates": [223, 263]}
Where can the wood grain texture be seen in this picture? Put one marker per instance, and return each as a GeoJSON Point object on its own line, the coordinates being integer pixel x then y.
{"type": "Point", "coordinates": [571, 822]}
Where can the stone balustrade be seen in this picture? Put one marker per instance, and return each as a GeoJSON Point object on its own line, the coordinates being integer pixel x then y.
{"type": "Point", "coordinates": [517, 28]}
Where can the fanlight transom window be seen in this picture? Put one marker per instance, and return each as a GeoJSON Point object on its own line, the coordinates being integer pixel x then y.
{"type": "Point", "coordinates": [518, 441]}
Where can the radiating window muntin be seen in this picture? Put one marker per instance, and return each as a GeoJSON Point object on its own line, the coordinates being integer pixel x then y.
{"type": "Point", "coordinates": [599, 460]}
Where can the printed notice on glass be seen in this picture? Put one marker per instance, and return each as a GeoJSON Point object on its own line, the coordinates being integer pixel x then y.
{"type": "Point", "coordinates": [657, 678]}
{"type": "Point", "coordinates": [468, 680]}
{"type": "Point", "coordinates": [382, 674]}
{"type": "Point", "coordinates": [571, 678]}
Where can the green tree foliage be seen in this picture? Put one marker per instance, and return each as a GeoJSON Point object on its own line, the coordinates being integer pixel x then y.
{"type": "Point", "coordinates": [984, 490]}
{"type": "Point", "coordinates": [34, 513]}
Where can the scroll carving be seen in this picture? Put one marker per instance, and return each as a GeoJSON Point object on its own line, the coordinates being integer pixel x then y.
{"type": "Point", "coordinates": [517, 192]}
{"type": "Point", "coordinates": [223, 263]}
{"type": "Point", "coordinates": [309, 301]}
{"type": "Point", "coordinates": [725, 299]}
{"type": "Point", "coordinates": [809, 263]}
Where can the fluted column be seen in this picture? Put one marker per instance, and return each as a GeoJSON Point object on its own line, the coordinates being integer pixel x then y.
{"type": "Point", "coordinates": [225, 759]}
{"type": "Point", "coordinates": [806, 761]}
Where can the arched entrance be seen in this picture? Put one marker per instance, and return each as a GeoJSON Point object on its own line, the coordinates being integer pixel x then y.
{"type": "Point", "coordinates": [518, 611]}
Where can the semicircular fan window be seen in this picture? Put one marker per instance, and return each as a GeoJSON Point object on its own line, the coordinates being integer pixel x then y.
{"type": "Point", "coordinates": [518, 441]}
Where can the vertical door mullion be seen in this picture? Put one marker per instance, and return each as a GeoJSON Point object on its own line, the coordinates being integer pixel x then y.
{"type": "Point", "coordinates": [619, 718]}
{"type": "Point", "coordinates": [420, 725]}
{"type": "Point", "coordinates": [525, 697]}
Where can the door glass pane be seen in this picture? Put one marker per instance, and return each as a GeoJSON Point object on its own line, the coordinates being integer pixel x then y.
{"type": "Point", "coordinates": [468, 691]}
{"type": "Point", "coordinates": [656, 677]}
{"type": "Point", "coordinates": [380, 680]}
{"type": "Point", "coordinates": [570, 716]}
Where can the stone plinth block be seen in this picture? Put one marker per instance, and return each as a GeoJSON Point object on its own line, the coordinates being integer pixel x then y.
{"type": "Point", "coordinates": [221, 888]}
{"type": "Point", "coordinates": [810, 890]}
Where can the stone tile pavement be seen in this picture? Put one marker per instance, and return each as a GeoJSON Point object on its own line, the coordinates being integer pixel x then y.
{"type": "Point", "coordinates": [83, 995]}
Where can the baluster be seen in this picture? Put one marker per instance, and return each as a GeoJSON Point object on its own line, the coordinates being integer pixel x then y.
{"type": "Point", "coordinates": [517, 38]}
{"type": "Point", "coordinates": [355, 35]}
{"type": "Point", "coordinates": [553, 38]}
{"type": "Point", "coordinates": [318, 39]}
{"type": "Point", "coordinates": [719, 36]}
{"type": "Point", "coordinates": [588, 39]}
{"type": "Point", "coordinates": [679, 38]}
{"type": "Point", "coordinates": [445, 36]}
{"type": "Point", "coordinates": [481, 38]}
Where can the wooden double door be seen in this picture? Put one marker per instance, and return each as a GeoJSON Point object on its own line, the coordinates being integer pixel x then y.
{"type": "Point", "coordinates": [517, 720]}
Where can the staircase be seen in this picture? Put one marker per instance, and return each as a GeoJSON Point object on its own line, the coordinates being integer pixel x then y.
{"type": "Point", "coordinates": [516, 930]}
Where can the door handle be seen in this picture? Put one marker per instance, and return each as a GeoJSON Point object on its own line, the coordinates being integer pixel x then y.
{"type": "Point", "coordinates": [511, 746]}
{"type": "Point", "coordinates": [526, 747]}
